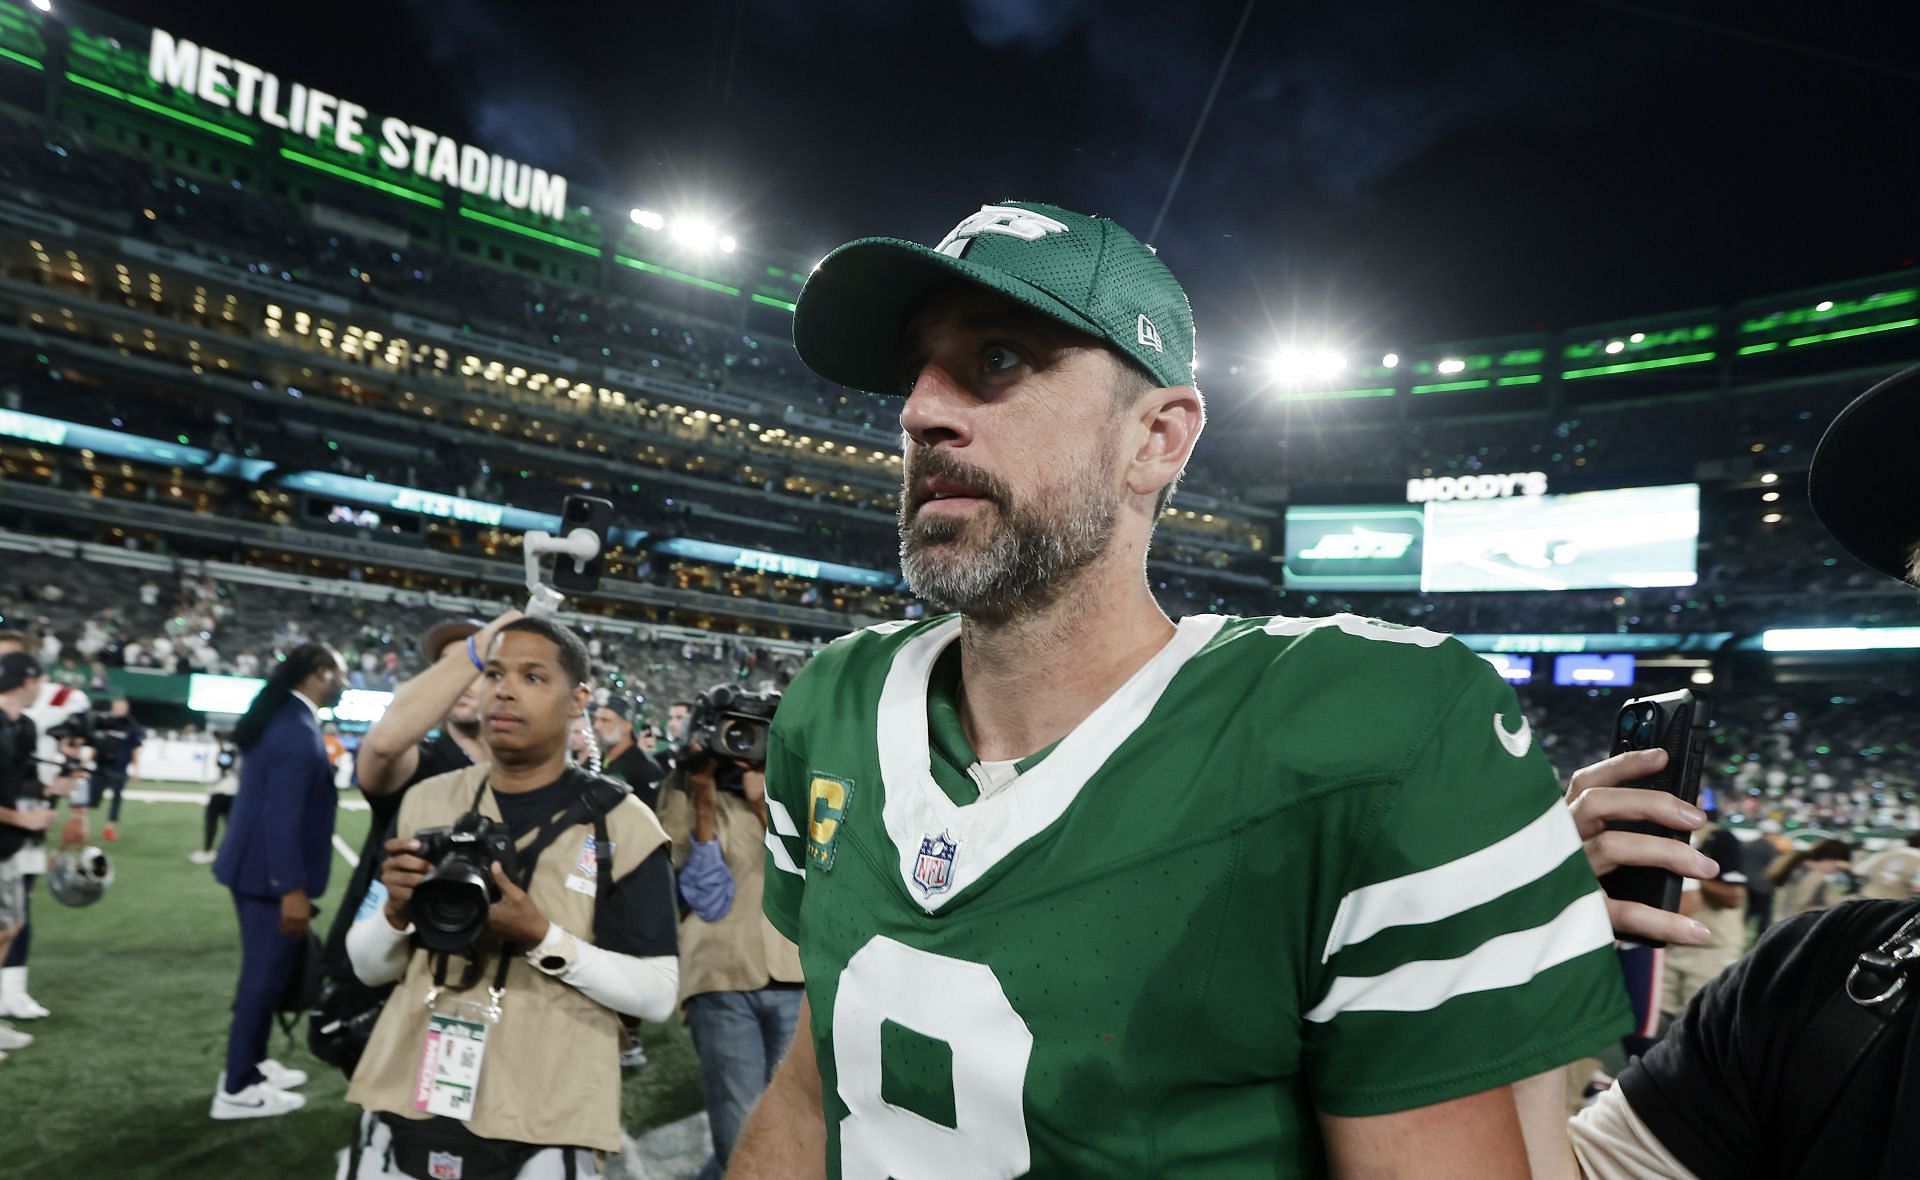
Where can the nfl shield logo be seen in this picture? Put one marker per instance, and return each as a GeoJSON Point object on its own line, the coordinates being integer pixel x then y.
{"type": "Point", "coordinates": [443, 1165]}
{"type": "Point", "coordinates": [933, 871]}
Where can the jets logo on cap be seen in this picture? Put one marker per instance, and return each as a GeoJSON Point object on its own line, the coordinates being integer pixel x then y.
{"type": "Point", "coordinates": [1024, 224]}
{"type": "Point", "coordinates": [1149, 335]}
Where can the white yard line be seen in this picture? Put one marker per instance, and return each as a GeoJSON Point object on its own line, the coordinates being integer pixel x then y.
{"type": "Point", "coordinates": [200, 797]}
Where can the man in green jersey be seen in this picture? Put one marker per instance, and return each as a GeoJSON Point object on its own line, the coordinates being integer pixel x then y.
{"type": "Point", "coordinates": [1082, 892]}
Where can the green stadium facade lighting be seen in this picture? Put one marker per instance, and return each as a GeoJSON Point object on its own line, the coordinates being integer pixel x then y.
{"type": "Point", "coordinates": [147, 104]}
{"type": "Point", "coordinates": [538, 235]}
{"type": "Point", "coordinates": [372, 182]}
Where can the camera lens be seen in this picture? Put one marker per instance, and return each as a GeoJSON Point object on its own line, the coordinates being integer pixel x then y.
{"type": "Point", "coordinates": [1627, 722]}
{"type": "Point", "coordinates": [449, 908]}
{"type": "Point", "coordinates": [736, 739]}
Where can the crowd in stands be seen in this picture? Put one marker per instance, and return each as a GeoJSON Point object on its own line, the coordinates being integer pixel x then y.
{"type": "Point", "coordinates": [1793, 756]}
{"type": "Point", "coordinates": [239, 223]}
{"type": "Point", "coordinates": [124, 617]}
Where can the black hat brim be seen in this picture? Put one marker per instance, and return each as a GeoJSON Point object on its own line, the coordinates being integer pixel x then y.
{"type": "Point", "coordinates": [1857, 481]}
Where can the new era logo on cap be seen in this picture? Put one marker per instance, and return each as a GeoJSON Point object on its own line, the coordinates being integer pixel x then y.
{"type": "Point", "coordinates": [1149, 335]}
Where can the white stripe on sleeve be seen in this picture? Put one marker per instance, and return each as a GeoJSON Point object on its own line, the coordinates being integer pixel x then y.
{"type": "Point", "coordinates": [782, 818]}
{"type": "Point", "coordinates": [782, 859]}
{"type": "Point", "coordinates": [1506, 960]}
{"type": "Point", "coordinates": [1457, 886]}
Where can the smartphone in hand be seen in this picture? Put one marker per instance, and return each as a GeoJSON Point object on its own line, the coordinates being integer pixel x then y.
{"type": "Point", "coordinates": [1677, 723]}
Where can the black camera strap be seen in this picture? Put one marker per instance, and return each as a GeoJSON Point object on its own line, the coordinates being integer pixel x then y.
{"type": "Point", "coordinates": [1843, 1033]}
{"type": "Point", "coordinates": [588, 804]}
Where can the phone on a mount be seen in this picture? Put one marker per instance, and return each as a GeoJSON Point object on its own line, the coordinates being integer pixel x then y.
{"type": "Point", "coordinates": [1676, 722]}
{"type": "Point", "coordinates": [596, 516]}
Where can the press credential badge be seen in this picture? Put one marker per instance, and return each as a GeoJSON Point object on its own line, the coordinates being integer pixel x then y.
{"type": "Point", "coordinates": [450, 1061]}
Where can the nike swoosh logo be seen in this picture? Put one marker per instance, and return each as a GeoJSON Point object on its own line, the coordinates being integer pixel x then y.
{"type": "Point", "coordinates": [1519, 741]}
{"type": "Point", "coordinates": [237, 1102]}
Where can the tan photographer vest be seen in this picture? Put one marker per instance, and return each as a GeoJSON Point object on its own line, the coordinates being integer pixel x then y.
{"type": "Point", "coordinates": [551, 1074]}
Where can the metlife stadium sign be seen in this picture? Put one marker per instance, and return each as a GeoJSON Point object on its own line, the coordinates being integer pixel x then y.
{"type": "Point", "coordinates": [214, 77]}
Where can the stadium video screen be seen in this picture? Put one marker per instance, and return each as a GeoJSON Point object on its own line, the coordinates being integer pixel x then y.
{"type": "Point", "coordinates": [1585, 671]}
{"type": "Point", "coordinates": [1354, 547]}
{"type": "Point", "coordinates": [1615, 539]}
{"type": "Point", "coordinates": [1512, 669]}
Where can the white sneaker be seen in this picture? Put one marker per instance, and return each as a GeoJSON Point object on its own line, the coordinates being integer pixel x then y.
{"type": "Point", "coordinates": [20, 1006]}
{"type": "Point", "coordinates": [258, 1101]}
{"type": "Point", "coordinates": [280, 1077]}
{"type": "Point", "coordinates": [633, 1058]}
{"type": "Point", "coordinates": [201, 857]}
{"type": "Point", "coordinates": [13, 1038]}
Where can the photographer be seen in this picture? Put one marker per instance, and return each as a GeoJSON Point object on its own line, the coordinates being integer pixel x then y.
{"type": "Point", "coordinates": [527, 905]}
{"type": "Point", "coordinates": [394, 756]}
{"type": "Point", "coordinates": [620, 757]}
{"type": "Point", "coordinates": [740, 982]}
{"type": "Point", "coordinates": [1808, 1046]}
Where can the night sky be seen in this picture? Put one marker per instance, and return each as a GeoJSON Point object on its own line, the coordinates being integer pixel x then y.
{"type": "Point", "coordinates": [1373, 173]}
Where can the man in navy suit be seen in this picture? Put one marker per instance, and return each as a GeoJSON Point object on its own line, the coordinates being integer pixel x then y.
{"type": "Point", "coordinates": [275, 860]}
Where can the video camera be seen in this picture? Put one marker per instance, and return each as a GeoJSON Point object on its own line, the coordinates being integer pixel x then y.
{"type": "Point", "coordinates": [449, 907]}
{"type": "Point", "coordinates": [97, 730]}
{"type": "Point", "coordinates": [728, 722]}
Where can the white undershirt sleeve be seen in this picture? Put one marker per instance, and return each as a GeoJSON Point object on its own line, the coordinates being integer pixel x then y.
{"type": "Point", "coordinates": [377, 951]}
{"type": "Point", "coordinates": [1612, 1143]}
{"type": "Point", "coordinates": [648, 988]}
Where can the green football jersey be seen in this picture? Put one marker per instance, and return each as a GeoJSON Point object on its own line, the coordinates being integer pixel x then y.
{"type": "Point", "coordinates": [1292, 864]}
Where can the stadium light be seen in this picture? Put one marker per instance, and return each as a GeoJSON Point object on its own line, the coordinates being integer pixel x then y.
{"type": "Point", "coordinates": [1770, 477]}
{"type": "Point", "coordinates": [1637, 338]}
{"type": "Point", "coordinates": [1304, 366]}
{"type": "Point", "coordinates": [1824, 305]}
{"type": "Point", "coordinates": [43, 5]}
{"type": "Point", "coordinates": [1452, 364]}
{"type": "Point", "coordinates": [1390, 361]}
{"type": "Point", "coordinates": [1703, 676]}
{"type": "Point", "coordinates": [647, 219]}
{"type": "Point", "coordinates": [1616, 347]}
{"type": "Point", "coordinates": [694, 233]}
{"type": "Point", "coordinates": [1770, 518]}
{"type": "Point", "coordinates": [1769, 497]}
{"type": "Point", "coordinates": [727, 244]}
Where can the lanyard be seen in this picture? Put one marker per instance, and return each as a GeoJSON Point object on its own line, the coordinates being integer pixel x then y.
{"type": "Point", "coordinates": [526, 859]}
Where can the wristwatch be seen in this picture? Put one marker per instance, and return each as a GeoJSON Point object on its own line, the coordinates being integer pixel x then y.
{"type": "Point", "coordinates": [555, 954]}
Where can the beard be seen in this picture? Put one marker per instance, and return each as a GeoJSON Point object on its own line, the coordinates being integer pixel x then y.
{"type": "Point", "coordinates": [1029, 552]}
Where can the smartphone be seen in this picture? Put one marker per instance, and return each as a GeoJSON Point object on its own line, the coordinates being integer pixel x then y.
{"type": "Point", "coordinates": [1677, 723]}
{"type": "Point", "coordinates": [595, 515]}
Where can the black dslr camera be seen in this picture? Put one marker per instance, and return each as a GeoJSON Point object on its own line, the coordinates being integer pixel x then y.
{"type": "Point", "coordinates": [727, 722]}
{"type": "Point", "coordinates": [449, 907]}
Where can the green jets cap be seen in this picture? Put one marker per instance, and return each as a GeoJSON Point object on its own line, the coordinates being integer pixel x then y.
{"type": "Point", "coordinates": [1086, 272]}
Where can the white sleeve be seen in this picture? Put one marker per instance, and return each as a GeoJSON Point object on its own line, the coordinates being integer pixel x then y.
{"type": "Point", "coordinates": [1612, 1143]}
{"type": "Point", "coordinates": [648, 988]}
{"type": "Point", "coordinates": [377, 951]}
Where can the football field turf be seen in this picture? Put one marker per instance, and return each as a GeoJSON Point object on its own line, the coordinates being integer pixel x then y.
{"type": "Point", "coordinates": [117, 1082]}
